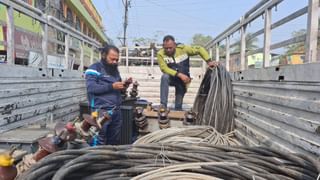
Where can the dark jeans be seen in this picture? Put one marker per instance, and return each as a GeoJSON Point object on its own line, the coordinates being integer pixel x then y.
{"type": "Point", "coordinates": [110, 133]}
{"type": "Point", "coordinates": [166, 81]}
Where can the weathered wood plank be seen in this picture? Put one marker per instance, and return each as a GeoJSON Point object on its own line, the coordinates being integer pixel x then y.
{"type": "Point", "coordinates": [173, 114]}
{"type": "Point", "coordinates": [302, 104]}
{"type": "Point", "coordinates": [279, 113]}
{"type": "Point", "coordinates": [302, 139]}
{"type": "Point", "coordinates": [259, 136]}
{"type": "Point", "coordinates": [10, 104]}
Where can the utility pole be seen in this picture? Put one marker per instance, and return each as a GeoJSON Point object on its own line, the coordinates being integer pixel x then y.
{"type": "Point", "coordinates": [126, 4]}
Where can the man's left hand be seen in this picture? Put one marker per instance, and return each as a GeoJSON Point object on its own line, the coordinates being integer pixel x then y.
{"type": "Point", "coordinates": [212, 64]}
{"type": "Point", "coordinates": [127, 82]}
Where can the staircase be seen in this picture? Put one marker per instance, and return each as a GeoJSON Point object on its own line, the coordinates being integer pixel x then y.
{"type": "Point", "coordinates": [149, 84]}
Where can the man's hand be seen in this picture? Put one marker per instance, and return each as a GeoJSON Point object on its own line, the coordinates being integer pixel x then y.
{"type": "Point", "coordinates": [118, 85]}
{"type": "Point", "coordinates": [212, 64]}
{"type": "Point", "coordinates": [184, 78]}
{"type": "Point", "coordinates": [128, 81]}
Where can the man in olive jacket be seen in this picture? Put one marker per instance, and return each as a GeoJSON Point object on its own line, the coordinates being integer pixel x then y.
{"type": "Point", "coordinates": [174, 62]}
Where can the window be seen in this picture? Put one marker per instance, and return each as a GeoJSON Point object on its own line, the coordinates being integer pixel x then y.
{"type": "Point", "coordinates": [78, 24]}
{"type": "Point", "coordinates": [84, 29]}
{"type": "Point", "coordinates": [56, 9]}
{"type": "Point", "coordinates": [41, 4]}
{"type": "Point", "coordinates": [61, 16]}
{"type": "Point", "coordinates": [69, 17]}
{"type": "Point", "coordinates": [61, 38]}
{"type": "Point", "coordinates": [89, 33]}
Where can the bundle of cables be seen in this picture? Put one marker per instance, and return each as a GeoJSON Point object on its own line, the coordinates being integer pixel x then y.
{"type": "Point", "coordinates": [214, 101]}
{"type": "Point", "coordinates": [171, 161]}
{"type": "Point", "coordinates": [189, 134]}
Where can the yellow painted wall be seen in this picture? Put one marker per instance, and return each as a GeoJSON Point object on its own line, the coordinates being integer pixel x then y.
{"type": "Point", "coordinates": [1, 38]}
{"type": "Point", "coordinates": [295, 59]}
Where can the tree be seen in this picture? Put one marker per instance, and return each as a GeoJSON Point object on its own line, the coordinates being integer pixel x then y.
{"type": "Point", "coordinates": [200, 39]}
{"type": "Point", "coordinates": [143, 41]}
{"type": "Point", "coordinates": [297, 47]}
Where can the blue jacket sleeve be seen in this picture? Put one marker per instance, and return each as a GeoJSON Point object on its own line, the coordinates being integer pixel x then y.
{"type": "Point", "coordinates": [93, 85]}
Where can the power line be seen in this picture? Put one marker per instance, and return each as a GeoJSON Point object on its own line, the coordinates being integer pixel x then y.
{"type": "Point", "coordinates": [172, 4]}
{"type": "Point", "coordinates": [175, 11]}
{"type": "Point", "coordinates": [126, 4]}
{"type": "Point", "coordinates": [138, 29]}
{"type": "Point", "coordinates": [111, 14]}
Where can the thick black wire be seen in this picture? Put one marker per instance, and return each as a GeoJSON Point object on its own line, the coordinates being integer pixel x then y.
{"type": "Point", "coordinates": [214, 101]}
{"type": "Point", "coordinates": [125, 162]}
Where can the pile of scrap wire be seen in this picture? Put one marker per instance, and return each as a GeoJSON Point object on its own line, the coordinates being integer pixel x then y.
{"type": "Point", "coordinates": [214, 101]}
{"type": "Point", "coordinates": [189, 134]}
{"type": "Point", "coordinates": [172, 161]}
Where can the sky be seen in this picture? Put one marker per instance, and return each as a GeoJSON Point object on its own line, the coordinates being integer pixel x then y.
{"type": "Point", "coordinates": [184, 18]}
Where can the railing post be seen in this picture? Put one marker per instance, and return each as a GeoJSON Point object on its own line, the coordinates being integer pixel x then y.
{"type": "Point", "coordinates": [10, 36]}
{"type": "Point", "coordinates": [243, 46]}
{"type": "Point", "coordinates": [228, 53]}
{"type": "Point", "coordinates": [66, 51]}
{"type": "Point", "coordinates": [204, 64]}
{"type": "Point", "coordinates": [44, 62]}
{"type": "Point", "coordinates": [217, 52]}
{"type": "Point", "coordinates": [100, 56]}
{"type": "Point", "coordinates": [152, 57]}
{"type": "Point", "coordinates": [312, 31]}
{"type": "Point", "coordinates": [267, 38]}
{"type": "Point", "coordinates": [91, 55]}
{"type": "Point", "coordinates": [81, 57]}
{"type": "Point", "coordinates": [211, 52]}
{"type": "Point", "coordinates": [127, 56]}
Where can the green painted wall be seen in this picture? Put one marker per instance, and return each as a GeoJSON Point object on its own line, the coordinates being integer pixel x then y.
{"type": "Point", "coordinates": [21, 20]}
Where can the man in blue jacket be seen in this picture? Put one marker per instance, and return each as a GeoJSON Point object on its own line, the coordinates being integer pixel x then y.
{"type": "Point", "coordinates": [104, 87]}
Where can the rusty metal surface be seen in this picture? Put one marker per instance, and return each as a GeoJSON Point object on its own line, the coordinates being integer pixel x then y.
{"type": "Point", "coordinates": [281, 114]}
{"type": "Point", "coordinates": [29, 95]}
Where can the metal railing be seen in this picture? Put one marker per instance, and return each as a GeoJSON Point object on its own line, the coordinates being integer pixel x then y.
{"type": "Point", "coordinates": [46, 21]}
{"type": "Point", "coordinates": [264, 8]}
{"type": "Point", "coordinates": [145, 56]}
{"type": "Point", "coordinates": [138, 55]}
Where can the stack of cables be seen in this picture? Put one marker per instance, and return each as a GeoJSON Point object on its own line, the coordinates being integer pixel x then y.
{"type": "Point", "coordinates": [174, 161]}
{"type": "Point", "coordinates": [189, 134]}
{"type": "Point", "coordinates": [214, 101]}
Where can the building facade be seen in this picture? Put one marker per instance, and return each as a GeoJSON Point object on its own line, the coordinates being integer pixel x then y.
{"type": "Point", "coordinates": [80, 15]}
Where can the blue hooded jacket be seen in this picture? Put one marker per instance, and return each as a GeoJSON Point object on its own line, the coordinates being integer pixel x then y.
{"type": "Point", "coordinates": [99, 82]}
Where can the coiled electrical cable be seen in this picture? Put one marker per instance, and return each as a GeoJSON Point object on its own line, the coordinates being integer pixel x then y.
{"type": "Point", "coordinates": [189, 134]}
{"type": "Point", "coordinates": [169, 161]}
{"type": "Point", "coordinates": [214, 101]}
